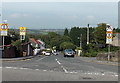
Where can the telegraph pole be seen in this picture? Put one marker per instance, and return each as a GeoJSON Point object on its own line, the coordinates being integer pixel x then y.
{"type": "Point", "coordinates": [81, 41]}
{"type": "Point", "coordinates": [88, 34]}
{"type": "Point", "coordinates": [109, 36]}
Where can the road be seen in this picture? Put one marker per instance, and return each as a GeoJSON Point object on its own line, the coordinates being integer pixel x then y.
{"type": "Point", "coordinates": [57, 68]}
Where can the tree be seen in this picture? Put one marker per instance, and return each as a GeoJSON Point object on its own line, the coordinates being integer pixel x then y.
{"type": "Point", "coordinates": [74, 34]}
{"type": "Point", "coordinates": [100, 33]}
{"type": "Point", "coordinates": [66, 39]}
{"type": "Point", "coordinates": [117, 30]}
{"type": "Point", "coordinates": [55, 42]}
{"type": "Point", "coordinates": [67, 45]}
{"type": "Point", "coordinates": [66, 32]}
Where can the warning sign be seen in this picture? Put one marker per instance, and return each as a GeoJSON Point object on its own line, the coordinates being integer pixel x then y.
{"type": "Point", "coordinates": [109, 33]}
{"type": "Point", "coordinates": [22, 30]}
{"type": "Point", "coordinates": [4, 29]}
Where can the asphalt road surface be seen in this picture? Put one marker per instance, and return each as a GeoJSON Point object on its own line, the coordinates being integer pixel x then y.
{"type": "Point", "coordinates": [57, 68]}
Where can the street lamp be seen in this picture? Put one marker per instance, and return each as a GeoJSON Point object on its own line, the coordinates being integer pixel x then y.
{"type": "Point", "coordinates": [88, 34]}
{"type": "Point", "coordinates": [80, 38]}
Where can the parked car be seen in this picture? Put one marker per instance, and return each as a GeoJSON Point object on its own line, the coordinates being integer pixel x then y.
{"type": "Point", "coordinates": [69, 53]}
{"type": "Point", "coordinates": [47, 53]}
{"type": "Point", "coordinates": [55, 53]}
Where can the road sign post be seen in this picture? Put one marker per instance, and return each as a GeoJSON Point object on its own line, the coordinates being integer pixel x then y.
{"type": "Point", "coordinates": [22, 36]}
{"type": "Point", "coordinates": [109, 33]}
{"type": "Point", "coordinates": [22, 33]}
{"type": "Point", "coordinates": [3, 31]}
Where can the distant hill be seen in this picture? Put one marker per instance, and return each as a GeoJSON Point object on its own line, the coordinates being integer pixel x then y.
{"type": "Point", "coordinates": [41, 31]}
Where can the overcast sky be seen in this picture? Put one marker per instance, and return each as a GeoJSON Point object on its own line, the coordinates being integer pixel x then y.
{"type": "Point", "coordinates": [60, 15]}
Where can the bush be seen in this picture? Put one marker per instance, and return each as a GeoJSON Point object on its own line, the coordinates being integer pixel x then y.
{"type": "Point", "coordinates": [16, 43]}
{"type": "Point", "coordinates": [92, 54]}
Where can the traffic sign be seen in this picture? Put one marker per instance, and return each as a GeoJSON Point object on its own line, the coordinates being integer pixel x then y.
{"type": "Point", "coordinates": [109, 28]}
{"type": "Point", "coordinates": [4, 29]}
{"type": "Point", "coordinates": [109, 32]}
{"type": "Point", "coordinates": [22, 30]}
{"type": "Point", "coordinates": [108, 41]}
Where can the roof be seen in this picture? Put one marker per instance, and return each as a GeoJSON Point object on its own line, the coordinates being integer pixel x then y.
{"type": "Point", "coordinates": [41, 42]}
{"type": "Point", "coordinates": [35, 41]}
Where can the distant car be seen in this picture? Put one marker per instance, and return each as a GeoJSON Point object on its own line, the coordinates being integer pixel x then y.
{"type": "Point", "coordinates": [69, 53]}
{"type": "Point", "coordinates": [55, 53]}
{"type": "Point", "coordinates": [43, 52]}
{"type": "Point", "coordinates": [47, 53]}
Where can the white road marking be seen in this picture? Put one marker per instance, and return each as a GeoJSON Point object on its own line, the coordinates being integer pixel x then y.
{"type": "Point", "coordinates": [64, 69]}
{"type": "Point", "coordinates": [36, 69]}
{"type": "Point", "coordinates": [116, 75]}
{"type": "Point", "coordinates": [73, 72]}
{"type": "Point", "coordinates": [103, 74]}
{"type": "Point", "coordinates": [15, 68]}
{"type": "Point", "coordinates": [42, 58]}
{"type": "Point", "coordinates": [44, 70]}
{"type": "Point", "coordinates": [58, 62]}
{"type": "Point", "coordinates": [8, 67]}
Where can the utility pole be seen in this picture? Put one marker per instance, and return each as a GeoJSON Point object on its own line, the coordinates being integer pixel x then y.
{"type": "Point", "coordinates": [109, 52]}
{"type": "Point", "coordinates": [81, 41]}
{"type": "Point", "coordinates": [88, 34]}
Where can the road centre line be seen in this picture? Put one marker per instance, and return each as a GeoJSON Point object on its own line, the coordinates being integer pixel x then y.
{"type": "Point", "coordinates": [42, 58]}
{"type": "Point", "coordinates": [64, 69]}
{"type": "Point", "coordinates": [58, 62]}
{"type": "Point", "coordinates": [61, 66]}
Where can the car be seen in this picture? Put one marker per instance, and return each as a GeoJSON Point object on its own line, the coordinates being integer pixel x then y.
{"type": "Point", "coordinates": [47, 53]}
{"type": "Point", "coordinates": [55, 53]}
{"type": "Point", "coordinates": [69, 53]}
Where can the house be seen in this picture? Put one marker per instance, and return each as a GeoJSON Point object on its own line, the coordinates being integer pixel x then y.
{"type": "Point", "coordinates": [34, 43]}
{"type": "Point", "coordinates": [116, 40]}
{"type": "Point", "coordinates": [37, 43]}
{"type": "Point", "coordinates": [42, 44]}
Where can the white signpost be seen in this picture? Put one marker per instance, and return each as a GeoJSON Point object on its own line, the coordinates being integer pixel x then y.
{"type": "Point", "coordinates": [109, 34]}
{"type": "Point", "coordinates": [3, 31]}
{"type": "Point", "coordinates": [22, 33]}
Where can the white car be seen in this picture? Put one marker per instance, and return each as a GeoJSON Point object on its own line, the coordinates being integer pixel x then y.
{"type": "Point", "coordinates": [47, 53]}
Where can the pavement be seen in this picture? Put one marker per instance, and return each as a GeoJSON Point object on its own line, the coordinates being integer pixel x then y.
{"type": "Point", "coordinates": [17, 59]}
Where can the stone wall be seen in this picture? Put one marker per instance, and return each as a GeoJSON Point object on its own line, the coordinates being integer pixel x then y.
{"type": "Point", "coordinates": [113, 56]}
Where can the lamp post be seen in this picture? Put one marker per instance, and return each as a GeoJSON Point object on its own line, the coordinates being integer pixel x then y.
{"type": "Point", "coordinates": [88, 34]}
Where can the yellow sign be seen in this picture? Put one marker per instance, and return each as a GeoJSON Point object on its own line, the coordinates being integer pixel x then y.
{"type": "Point", "coordinates": [109, 35]}
{"type": "Point", "coordinates": [4, 29]}
{"type": "Point", "coordinates": [22, 30]}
